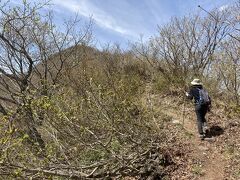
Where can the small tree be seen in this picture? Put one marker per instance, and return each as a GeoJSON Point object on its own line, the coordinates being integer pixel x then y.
{"type": "Point", "coordinates": [229, 68]}
{"type": "Point", "coordinates": [33, 56]}
{"type": "Point", "coordinates": [186, 46]}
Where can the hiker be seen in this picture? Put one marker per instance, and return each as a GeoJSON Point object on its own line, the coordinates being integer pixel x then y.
{"type": "Point", "coordinates": [202, 103]}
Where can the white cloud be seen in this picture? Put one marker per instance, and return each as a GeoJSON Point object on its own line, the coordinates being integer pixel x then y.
{"type": "Point", "coordinates": [224, 7]}
{"type": "Point", "coordinates": [85, 8]}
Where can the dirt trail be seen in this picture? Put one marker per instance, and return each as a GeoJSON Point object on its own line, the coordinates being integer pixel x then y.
{"type": "Point", "coordinates": [212, 160]}
{"type": "Point", "coordinates": [209, 162]}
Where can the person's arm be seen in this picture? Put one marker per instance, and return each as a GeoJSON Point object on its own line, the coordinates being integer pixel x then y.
{"type": "Point", "coordinates": [189, 94]}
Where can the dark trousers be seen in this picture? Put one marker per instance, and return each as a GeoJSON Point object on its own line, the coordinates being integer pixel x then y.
{"type": "Point", "coordinates": [201, 111]}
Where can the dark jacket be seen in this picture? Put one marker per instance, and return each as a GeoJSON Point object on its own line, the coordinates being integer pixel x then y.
{"type": "Point", "coordinates": [194, 93]}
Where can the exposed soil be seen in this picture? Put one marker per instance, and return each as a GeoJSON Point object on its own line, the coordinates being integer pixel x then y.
{"type": "Point", "coordinates": [206, 160]}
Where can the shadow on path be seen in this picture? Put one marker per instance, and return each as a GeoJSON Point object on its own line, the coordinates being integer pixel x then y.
{"type": "Point", "coordinates": [214, 131]}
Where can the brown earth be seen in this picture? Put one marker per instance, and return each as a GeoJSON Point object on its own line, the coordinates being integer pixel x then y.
{"type": "Point", "coordinates": [206, 162]}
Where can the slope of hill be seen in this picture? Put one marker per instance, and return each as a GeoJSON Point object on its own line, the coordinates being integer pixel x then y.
{"type": "Point", "coordinates": [78, 113]}
{"type": "Point", "coordinates": [215, 158]}
{"type": "Point", "coordinates": [115, 124]}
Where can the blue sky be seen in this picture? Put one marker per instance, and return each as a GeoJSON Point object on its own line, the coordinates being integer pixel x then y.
{"type": "Point", "coordinates": [122, 21]}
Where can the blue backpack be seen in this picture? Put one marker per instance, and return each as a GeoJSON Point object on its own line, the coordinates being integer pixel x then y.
{"type": "Point", "coordinates": [203, 97]}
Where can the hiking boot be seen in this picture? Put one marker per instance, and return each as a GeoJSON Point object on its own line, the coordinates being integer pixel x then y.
{"type": "Point", "coordinates": [201, 136]}
{"type": "Point", "coordinates": [205, 128]}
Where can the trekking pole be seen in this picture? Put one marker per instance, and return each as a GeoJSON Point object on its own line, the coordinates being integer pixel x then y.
{"type": "Point", "coordinates": [184, 101]}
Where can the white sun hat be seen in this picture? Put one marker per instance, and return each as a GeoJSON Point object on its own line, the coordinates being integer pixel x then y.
{"type": "Point", "coordinates": [196, 82]}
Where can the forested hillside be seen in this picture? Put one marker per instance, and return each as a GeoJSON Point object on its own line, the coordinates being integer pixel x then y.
{"type": "Point", "coordinates": [71, 111]}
